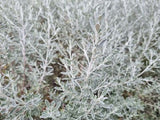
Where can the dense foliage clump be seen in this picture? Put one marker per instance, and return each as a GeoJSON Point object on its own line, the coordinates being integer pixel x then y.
{"type": "Point", "coordinates": [79, 60]}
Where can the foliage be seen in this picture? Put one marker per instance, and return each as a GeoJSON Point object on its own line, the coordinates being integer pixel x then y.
{"type": "Point", "coordinates": [79, 60]}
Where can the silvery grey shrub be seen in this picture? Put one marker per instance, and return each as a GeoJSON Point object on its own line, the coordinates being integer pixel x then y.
{"type": "Point", "coordinates": [79, 59]}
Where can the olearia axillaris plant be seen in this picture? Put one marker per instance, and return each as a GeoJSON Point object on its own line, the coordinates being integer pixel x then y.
{"type": "Point", "coordinates": [79, 60]}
